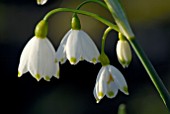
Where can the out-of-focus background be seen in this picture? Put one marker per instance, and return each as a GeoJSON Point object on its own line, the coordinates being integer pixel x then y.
{"type": "Point", "coordinates": [73, 92]}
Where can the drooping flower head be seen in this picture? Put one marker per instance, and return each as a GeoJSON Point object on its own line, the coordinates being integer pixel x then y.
{"type": "Point", "coordinates": [123, 51]}
{"type": "Point", "coordinates": [77, 45]}
{"type": "Point", "coordinates": [109, 81]}
{"type": "Point", "coordinates": [38, 56]}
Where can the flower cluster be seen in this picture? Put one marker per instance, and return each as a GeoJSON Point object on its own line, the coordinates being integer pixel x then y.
{"type": "Point", "coordinates": [40, 59]}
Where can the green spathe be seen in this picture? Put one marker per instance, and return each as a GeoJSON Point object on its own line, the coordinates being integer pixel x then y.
{"type": "Point", "coordinates": [41, 29]}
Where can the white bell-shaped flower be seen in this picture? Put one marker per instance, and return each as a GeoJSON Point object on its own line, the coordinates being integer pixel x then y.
{"type": "Point", "coordinates": [75, 46]}
{"type": "Point", "coordinates": [41, 2]}
{"type": "Point", "coordinates": [38, 57]}
{"type": "Point", "coordinates": [109, 80]}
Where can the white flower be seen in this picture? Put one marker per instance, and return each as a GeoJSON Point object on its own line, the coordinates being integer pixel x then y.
{"type": "Point", "coordinates": [124, 54]}
{"type": "Point", "coordinates": [109, 80]}
{"type": "Point", "coordinates": [75, 46]}
{"type": "Point", "coordinates": [38, 57]}
{"type": "Point", "coordinates": [41, 2]}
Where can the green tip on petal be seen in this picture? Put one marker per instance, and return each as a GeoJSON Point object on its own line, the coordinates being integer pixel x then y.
{"type": "Point", "coordinates": [19, 74]}
{"type": "Point", "coordinates": [126, 90]}
{"type": "Point", "coordinates": [110, 93]}
{"type": "Point", "coordinates": [100, 94]}
{"type": "Point", "coordinates": [94, 60]}
{"type": "Point", "coordinates": [56, 61]}
{"type": "Point", "coordinates": [37, 77]}
{"type": "Point", "coordinates": [58, 74]}
{"type": "Point", "coordinates": [73, 60]}
{"type": "Point", "coordinates": [47, 78]}
{"type": "Point", "coordinates": [62, 60]}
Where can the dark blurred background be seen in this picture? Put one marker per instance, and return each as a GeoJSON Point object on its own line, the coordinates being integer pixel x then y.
{"type": "Point", "coordinates": [73, 92]}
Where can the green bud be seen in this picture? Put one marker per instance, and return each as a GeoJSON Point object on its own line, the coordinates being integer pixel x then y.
{"type": "Point", "coordinates": [75, 23]}
{"type": "Point", "coordinates": [41, 29]}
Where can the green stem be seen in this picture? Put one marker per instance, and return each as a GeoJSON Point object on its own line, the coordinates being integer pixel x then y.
{"type": "Point", "coordinates": [120, 18]}
{"type": "Point", "coordinates": [95, 16]}
{"type": "Point", "coordinates": [104, 60]}
{"type": "Point", "coordinates": [104, 38]}
{"type": "Point", "coordinates": [151, 72]}
{"type": "Point", "coordinates": [89, 1]}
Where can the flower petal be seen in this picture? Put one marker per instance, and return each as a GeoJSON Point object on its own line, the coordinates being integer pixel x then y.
{"type": "Point", "coordinates": [73, 47]}
{"type": "Point", "coordinates": [42, 59]}
{"type": "Point", "coordinates": [33, 59]}
{"type": "Point", "coordinates": [112, 90]}
{"type": "Point", "coordinates": [90, 51]}
{"type": "Point", "coordinates": [102, 88]}
{"type": "Point", "coordinates": [95, 92]}
{"type": "Point", "coordinates": [119, 79]}
{"type": "Point", "coordinates": [24, 58]}
{"type": "Point", "coordinates": [49, 67]}
{"type": "Point", "coordinates": [96, 88]}
{"type": "Point", "coordinates": [57, 75]}
{"type": "Point", "coordinates": [61, 51]}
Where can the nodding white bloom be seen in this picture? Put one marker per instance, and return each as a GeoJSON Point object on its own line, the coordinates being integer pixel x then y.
{"type": "Point", "coordinates": [38, 57]}
{"type": "Point", "coordinates": [75, 46]}
{"type": "Point", "coordinates": [41, 2]}
{"type": "Point", "coordinates": [124, 54]}
{"type": "Point", "coordinates": [109, 80]}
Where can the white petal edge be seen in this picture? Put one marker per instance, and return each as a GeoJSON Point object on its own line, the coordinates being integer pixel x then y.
{"type": "Point", "coordinates": [119, 79]}
{"type": "Point", "coordinates": [103, 83]}
{"type": "Point", "coordinates": [22, 68]}
{"type": "Point", "coordinates": [61, 51]}
{"type": "Point", "coordinates": [89, 49]}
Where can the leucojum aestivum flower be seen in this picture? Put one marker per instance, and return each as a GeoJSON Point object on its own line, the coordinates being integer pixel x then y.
{"type": "Point", "coordinates": [40, 59]}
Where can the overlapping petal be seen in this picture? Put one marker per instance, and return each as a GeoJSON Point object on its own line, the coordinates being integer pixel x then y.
{"type": "Point", "coordinates": [75, 46]}
{"type": "Point", "coordinates": [109, 80]}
